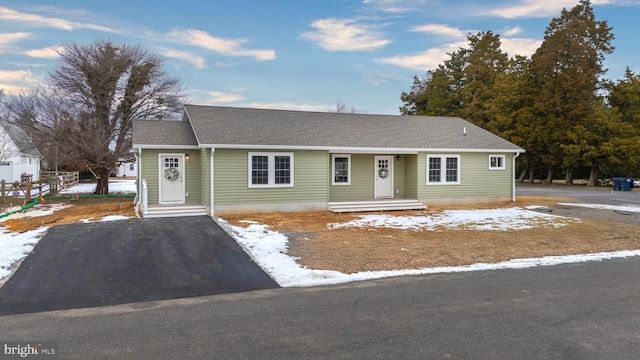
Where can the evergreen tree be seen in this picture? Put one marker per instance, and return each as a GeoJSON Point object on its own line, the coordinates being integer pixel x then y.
{"type": "Point", "coordinates": [566, 70]}
{"type": "Point", "coordinates": [603, 142]}
{"type": "Point", "coordinates": [484, 62]}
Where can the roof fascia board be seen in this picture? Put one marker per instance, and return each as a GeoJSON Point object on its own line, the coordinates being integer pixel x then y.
{"type": "Point", "coordinates": [362, 150]}
{"type": "Point", "coordinates": [188, 119]}
{"type": "Point", "coordinates": [155, 146]}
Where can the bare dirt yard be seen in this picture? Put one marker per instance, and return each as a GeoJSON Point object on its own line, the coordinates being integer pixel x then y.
{"type": "Point", "coordinates": [78, 210]}
{"type": "Point", "coordinates": [353, 249]}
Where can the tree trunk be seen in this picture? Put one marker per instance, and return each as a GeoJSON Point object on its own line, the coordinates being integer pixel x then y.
{"type": "Point", "coordinates": [568, 179]}
{"type": "Point", "coordinates": [593, 176]}
{"type": "Point", "coordinates": [522, 176]}
{"type": "Point", "coordinates": [102, 183]}
{"type": "Point", "coordinates": [549, 179]}
{"type": "Point", "coordinates": [531, 177]}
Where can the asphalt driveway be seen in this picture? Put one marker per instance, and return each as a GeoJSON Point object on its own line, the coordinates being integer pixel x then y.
{"type": "Point", "coordinates": [107, 263]}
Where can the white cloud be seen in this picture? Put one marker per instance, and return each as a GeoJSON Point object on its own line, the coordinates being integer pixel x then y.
{"type": "Point", "coordinates": [13, 82]}
{"type": "Point", "coordinates": [537, 8]}
{"type": "Point", "coordinates": [219, 97]}
{"type": "Point", "coordinates": [394, 6]}
{"type": "Point", "coordinates": [46, 53]}
{"type": "Point", "coordinates": [426, 60]}
{"type": "Point", "coordinates": [345, 35]}
{"type": "Point", "coordinates": [35, 20]}
{"type": "Point", "coordinates": [222, 65]}
{"type": "Point", "coordinates": [520, 46]}
{"type": "Point", "coordinates": [511, 31]}
{"type": "Point", "coordinates": [289, 106]}
{"type": "Point", "coordinates": [7, 39]}
{"type": "Point", "coordinates": [197, 61]}
{"type": "Point", "coordinates": [223, 46]}
{"type": "Point", "coordinates": [431, 58]}
{"type": "Point", "coordinates": [442, 30]}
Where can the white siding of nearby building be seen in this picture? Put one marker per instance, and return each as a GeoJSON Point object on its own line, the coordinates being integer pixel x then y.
{"type": "Point", "coordinates": [11, 169]}
{"type": "Point", "coordinates": [127, 169]}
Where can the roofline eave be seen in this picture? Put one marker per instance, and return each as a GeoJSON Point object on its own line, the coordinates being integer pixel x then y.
{"type": "Point", "coordinates": [361, 150]}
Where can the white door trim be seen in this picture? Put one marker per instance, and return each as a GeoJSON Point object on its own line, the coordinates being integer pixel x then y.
{"type": "Point", "coordinates": [180, 198]}
{"type": "Point", "coordinates": [383, 187]}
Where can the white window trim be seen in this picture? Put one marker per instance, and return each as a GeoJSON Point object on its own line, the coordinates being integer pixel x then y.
{"type": "Point", "coordinates": [443, 169]}
{"type": "Point", "coordinates": [504, 164]}
{"type": "Point", "coordinates": [333, 169]}
{"type": "Point", "coordinates": [272, 171]}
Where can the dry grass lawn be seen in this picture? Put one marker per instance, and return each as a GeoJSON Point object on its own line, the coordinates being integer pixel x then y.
{"type": "Point", "coordinates": [350, 250]}
{"type": "Point", "coordinates": [362, 249]}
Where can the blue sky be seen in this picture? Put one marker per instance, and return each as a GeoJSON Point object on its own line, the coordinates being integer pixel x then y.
{"type": "Point", "coordinates": [287, 54]}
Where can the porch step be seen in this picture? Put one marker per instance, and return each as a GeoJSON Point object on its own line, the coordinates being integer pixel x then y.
{"type": "Point", "coordinates": [175, 211]}
{"type": "Point", "coordinates": [375, 205]}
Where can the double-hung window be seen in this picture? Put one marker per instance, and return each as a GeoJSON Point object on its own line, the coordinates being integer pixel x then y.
{"type": "Point", "coordinates": [443, 169]}
{"type": "Point", "coordinates": [270, 169]}
{"type": "Point", "coordinates": [341, 169]}
{"type": "Point", "coordinates": [496, 162]}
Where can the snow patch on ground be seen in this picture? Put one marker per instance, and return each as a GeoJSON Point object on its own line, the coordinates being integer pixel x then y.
{"type": "Point", "coordinates": [628, 208]}
{"type": "Point", "coordinates": [15, 246]}
{"type": "Point", "coordinates": [36, 211]}
{"type": "Point", "coordinates": [115, 187]}
{"type": "Point", "coordinates": [269, 248]}
{"type": "Point", "coordinates": [485, 220]}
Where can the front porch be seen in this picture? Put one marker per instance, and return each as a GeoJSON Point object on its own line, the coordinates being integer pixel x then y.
{"type": "Point", "coordinates": [375, 205]}
{"type": "Point", "coordinates": [155, 211]}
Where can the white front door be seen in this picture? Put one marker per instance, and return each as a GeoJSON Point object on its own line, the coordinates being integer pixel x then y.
{"type": "Point", "coordinates": [384, 177]}
{"type": "Point", "coordinates": [171, 179]}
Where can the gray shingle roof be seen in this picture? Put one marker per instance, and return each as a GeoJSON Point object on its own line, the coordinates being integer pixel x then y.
{"type": "Point", "coordinates": [159, 132]}
{"type": "Point", "coordinates": [235, 127]}
{"type": "Point", "coordinates": [20, 138]}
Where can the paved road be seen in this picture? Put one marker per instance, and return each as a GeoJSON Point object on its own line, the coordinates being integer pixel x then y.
{"type": "Point", "coordinates": [584, 194]}
{"type": "Point", "coordinates": [108, 263]}
{"type": "Point", "coordinates": [577, 311]}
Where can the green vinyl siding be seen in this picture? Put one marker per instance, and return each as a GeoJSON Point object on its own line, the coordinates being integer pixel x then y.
{"type": "Point", "coordinates": [399, 173]}
{"type": "Point", "coordinates": [193, 178]}
{"type": "Point", "coordinates": [362, 180]}
{"type": "Point", "coordinates": [411, 176]}
{"type": "Point", "coordinates": [205, 176]}
{"type": "Point", "coordinates": [310, 179]}
{"type": "Point", "coordinates": [476, 180]}
{"type": "Point", "coordinates": [149, 171]}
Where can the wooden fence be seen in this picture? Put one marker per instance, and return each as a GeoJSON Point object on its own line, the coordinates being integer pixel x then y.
{"type": "Point", "coordinates": [59, 180]}
{"type": "Point", "coordinates": [26, 191]}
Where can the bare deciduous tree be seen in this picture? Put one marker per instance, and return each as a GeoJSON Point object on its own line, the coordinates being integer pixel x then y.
{"type": "Point", "coordinates": [85, 115]}
{"type": "Point", "coordinates": [341, 108]}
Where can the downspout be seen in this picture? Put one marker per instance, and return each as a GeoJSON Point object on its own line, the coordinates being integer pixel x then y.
{"type": "Point", "coordinates": [136, 200]}
{"type": "Point", "coordinates": [211, 182]}
{"type": "Point", "coordinates": [513, 177]}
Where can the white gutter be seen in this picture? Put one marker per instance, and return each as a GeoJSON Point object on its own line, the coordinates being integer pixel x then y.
{"type": "Point", "coordinates": [211, 184]}
{"type": "Point", "coordinates": [136, 199]}
{"type": "Point", "coordinates": [358, 150]}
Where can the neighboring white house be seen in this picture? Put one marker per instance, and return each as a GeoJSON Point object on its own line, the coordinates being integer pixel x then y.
{"type": "Point", "coordinates": [127, 167]}
{"type": "Point", "coordinates": [18, 155]}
